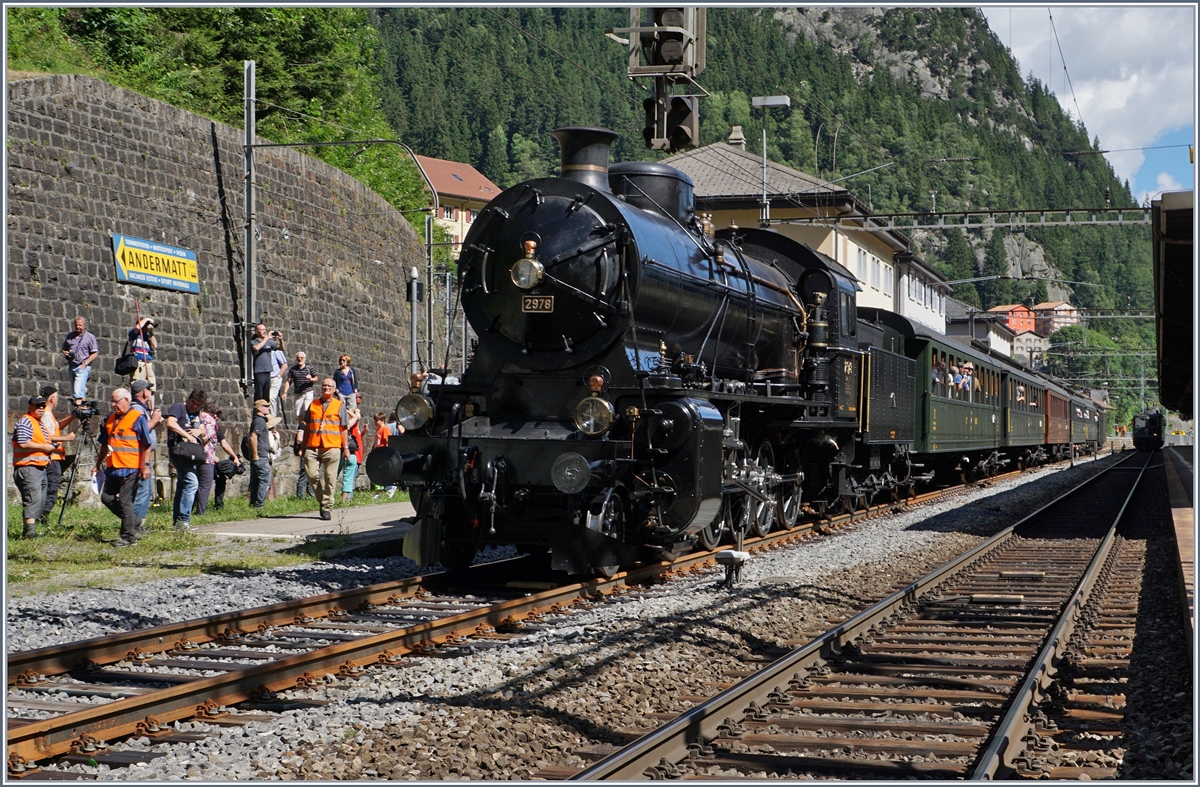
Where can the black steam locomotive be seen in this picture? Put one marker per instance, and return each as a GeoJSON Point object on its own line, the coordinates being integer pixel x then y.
{"type": "Point", "coordinates": [644, 384]}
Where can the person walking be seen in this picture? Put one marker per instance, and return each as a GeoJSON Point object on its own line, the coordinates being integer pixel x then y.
{"type": "Point", "coordinates": [143, 344]}
{"type": "Point", "coordinates": [185, 428]}
{"type": "Point", "coordinates": [212, 474]}
{"type": "Point", "coordinates": [31, 450]}
{"type": "Point", "coordinates": [125, 453]}
{"type": "Point", "coordinates": [346, 381]}
{"type": "Point", "coordinates": [256, 450]}
{"type": "Point", "coordinates": [80, 349]}
{"type": "Point", "coordinates": [143, 400]}
{"type": "Point", "coordinates": [300, 377]}
{"type": "Point", "coordinates": [52, 429]}
{"type": "Point", "coordinates": [263, 345]}
{"type": "Point", "coordinates": [323, 434]}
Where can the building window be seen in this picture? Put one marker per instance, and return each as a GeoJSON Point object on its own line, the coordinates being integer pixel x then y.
{"type": "Point", "coordinates": [862, 266]}
{"type": "Point", "coordinates": [447, 213]}
{"type": "Point", "coordinates": [471, 216]}
{"type": "Point", "coordinates": [887, 278]}
{"type": "Point", "coordinates": [874, 272]}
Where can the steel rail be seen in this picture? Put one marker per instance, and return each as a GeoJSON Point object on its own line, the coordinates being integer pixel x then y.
{"type": "Point", "coordinates": [671, 743]}
{"type": "Point", "coordinates": [57, 735]}
{"type": "Point", "coordinates": [1007, 741]}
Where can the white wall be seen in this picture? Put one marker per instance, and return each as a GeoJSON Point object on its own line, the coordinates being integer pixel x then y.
{"type": "Point", "coordinates": [921, 302]}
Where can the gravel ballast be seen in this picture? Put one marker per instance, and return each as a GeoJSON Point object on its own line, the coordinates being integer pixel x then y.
{"type": "Point", "coordinates": [506, 711]}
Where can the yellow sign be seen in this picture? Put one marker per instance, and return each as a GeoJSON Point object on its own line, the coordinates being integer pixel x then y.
{"type": "Point", "coordinates": [156, 264]}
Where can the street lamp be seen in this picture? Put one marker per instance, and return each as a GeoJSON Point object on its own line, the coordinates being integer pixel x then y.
{"type": "Point", "coordinates": [765, 103]}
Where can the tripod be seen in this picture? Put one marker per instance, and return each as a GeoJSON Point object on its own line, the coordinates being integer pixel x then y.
{"type": "Point", "coordinates": [85, 425]}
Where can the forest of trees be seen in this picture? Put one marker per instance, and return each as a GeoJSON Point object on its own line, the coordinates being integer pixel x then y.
{"type": "Point", "coordinates": [487, 85]}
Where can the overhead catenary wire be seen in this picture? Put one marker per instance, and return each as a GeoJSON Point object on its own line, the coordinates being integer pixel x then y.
{"type": "Point", "coordinates": [1065, 72]}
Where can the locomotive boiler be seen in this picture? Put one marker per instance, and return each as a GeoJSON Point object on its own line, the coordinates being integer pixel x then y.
{"type": "Point", "coordinates": [643, 383]}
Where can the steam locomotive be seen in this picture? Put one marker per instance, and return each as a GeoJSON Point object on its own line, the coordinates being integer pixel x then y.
{"type": "Point", "coordinates": [645, 383]}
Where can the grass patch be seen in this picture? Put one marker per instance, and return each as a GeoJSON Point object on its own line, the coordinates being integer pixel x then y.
{"type": "Point", "coordinates": [77, 552]}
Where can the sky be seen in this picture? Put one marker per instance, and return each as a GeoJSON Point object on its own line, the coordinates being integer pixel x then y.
{"type": "Point", "coordinates": [1133, 70]}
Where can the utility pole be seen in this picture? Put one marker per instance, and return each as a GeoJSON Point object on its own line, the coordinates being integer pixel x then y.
{"type": "Point", "coordinates": [248, 317]}
{"type": "Point", "coordinates": [429, 280]}
{"type": "Point", "coordinates": [765, 103]}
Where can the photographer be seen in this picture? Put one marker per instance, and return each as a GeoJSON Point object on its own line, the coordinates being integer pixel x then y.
{"type": "Point", "coordinates": [52, 428]}
{"type": "Point", "coordinates": [143, 345]}
{"type": "Point", "coordinates": [264, 345]}
{"type": "Point", "coordinates": [185, 438]}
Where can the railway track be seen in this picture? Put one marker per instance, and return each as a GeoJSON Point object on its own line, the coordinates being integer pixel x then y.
{"type": "Point", "coordinates": [959, 675]}
{"type": "Point", "coordinates": [139, 682]}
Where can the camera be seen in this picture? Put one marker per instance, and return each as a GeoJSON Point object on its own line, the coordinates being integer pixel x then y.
{"type": "Point", "coordinates": [86, 410]}
{"type": "Point", "coordinates": [276, 334]}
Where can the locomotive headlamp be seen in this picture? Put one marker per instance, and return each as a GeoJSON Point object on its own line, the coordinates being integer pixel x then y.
{"type": "Point", "coordinates": [570, 473]}
{"type": "Point", "coordinates": [596, 383]}
{"type": "Point", "coordinates": [594, 416]}
{"type": "Point", "coordinates": [527, 273]}
{"type": "Point", "coordinates": [414, 411]}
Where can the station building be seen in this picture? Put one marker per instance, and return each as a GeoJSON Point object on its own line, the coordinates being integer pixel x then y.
{"type": "Point", "coordinates": [462, 192]}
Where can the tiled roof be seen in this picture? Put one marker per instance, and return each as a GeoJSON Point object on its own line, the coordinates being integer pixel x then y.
{"type": "Point", "coordinates": [455, 179]}
{"type": "Point", "coordinates": [723, 170]}
{"type": "Point", "coordinates": [1051, 305]}
{"type": "Point", "coordinates": [1008, 307]}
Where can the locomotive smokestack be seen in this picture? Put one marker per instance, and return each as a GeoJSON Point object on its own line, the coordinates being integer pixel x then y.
{"type": "Point", "coordinates": [585, 154]}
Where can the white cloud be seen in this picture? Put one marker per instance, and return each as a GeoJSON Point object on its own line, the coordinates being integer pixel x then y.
{"type": "Point", "coordinates": [1132, 68]}
{"type": "Point", "coordinates": [1165, 183]}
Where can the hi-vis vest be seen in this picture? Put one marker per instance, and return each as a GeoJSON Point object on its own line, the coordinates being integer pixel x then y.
{"type": "Point", "coordinates": [123, 449]}
{"type": "Point", "coordinates": [325, 424]}
{"type": "Point", "coordinates": [31, 457]}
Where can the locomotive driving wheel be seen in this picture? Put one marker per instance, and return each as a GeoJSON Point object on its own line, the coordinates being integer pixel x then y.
{"type": "Point", "coordinates": [717, 531]}
{"type": "Point", "coordinates": [789, 497]}
{"type": "Point", "coordinates": [760, 512]}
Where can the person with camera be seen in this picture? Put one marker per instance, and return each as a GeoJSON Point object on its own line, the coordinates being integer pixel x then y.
{"type": "Point", "coordinates": [143, 400]}
{"type": "Point", "coordinates": [143, 345]}
{"type": "Point", "coordinates": [264, 345]}
{"type": "Point", "coordinates": [323, 434]}
{"type": "Point", "coordinates": [185, 442]}
{"type": "Point", "coordinates": [31, 450]}
{"type": "Point", "coordinates": [52, 428]}
{"type": "Point", "coordinates": [214, 473]}
{"type": "Point", "coordinates": [125, 454]}
{"type": "Point", "coordinates": [80, 349]}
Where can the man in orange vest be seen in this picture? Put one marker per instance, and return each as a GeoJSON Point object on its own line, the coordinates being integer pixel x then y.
{"type": "Point", "coordinates": [125, 455]}
{"type": "Point", "coordinates": [323, 431]}
{"type": "Point", "coordinates": [52, 428]}
{"type": "Point", "coordinates": [31, 453]}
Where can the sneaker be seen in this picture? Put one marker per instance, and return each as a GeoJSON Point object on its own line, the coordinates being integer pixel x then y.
{"type": "Point", "coordinates": [326, 515]}
{"type": "Point", "coordinates": [183, 527]}
{"type": "Point", "coordinates": [31, 531]}
{"type": "Point", "coordinates": [124, 542]}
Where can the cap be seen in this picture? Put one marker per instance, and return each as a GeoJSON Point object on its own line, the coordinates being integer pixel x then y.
{"type": "Point", "coordinates": [48, 391]}
{"type": "Point", "coordinates": [139, 386]}
{"type": "Point", "coordinates": [261, 403]}
{"type": "Point", "coordinates": [37, 401]}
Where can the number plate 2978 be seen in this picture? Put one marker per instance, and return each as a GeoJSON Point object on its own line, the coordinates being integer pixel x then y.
{"type": "Point", "coordinates": [537, 304]}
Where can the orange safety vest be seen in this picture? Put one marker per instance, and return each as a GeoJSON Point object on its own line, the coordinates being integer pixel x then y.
{"type": "Point", "coordinates": [31, 457]}
{"type": "Point", "coordinates": [123, 449]}
{"type": "Point", "coordinates": [325, 424]}
{"type": "Point", "coordinates": [59, 453]}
